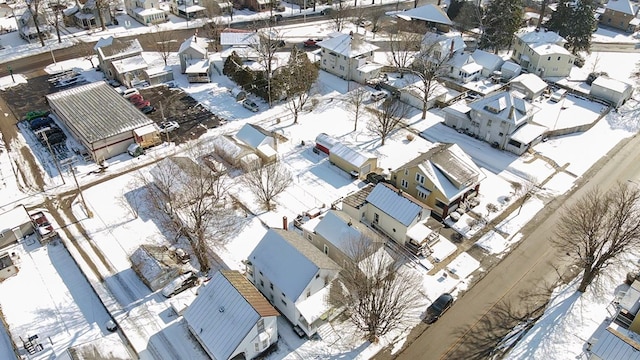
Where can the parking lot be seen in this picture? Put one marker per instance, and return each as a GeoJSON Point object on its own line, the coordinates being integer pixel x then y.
{"type": "Point", "coordinates": [171, 104]}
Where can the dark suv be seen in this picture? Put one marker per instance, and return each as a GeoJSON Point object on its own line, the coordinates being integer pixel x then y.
{"type": "Point", "coordinates": [439, 307]}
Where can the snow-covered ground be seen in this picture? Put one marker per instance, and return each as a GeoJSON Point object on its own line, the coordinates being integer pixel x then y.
{"type": "Point", "coordinates": [65, 309]}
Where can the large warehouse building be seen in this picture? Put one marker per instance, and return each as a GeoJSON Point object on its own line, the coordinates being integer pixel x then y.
{"type": "Point", "coordinates": [98, 117]}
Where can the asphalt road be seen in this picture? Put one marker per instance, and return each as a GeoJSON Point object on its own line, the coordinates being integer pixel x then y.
{"type": "Point", "coordinates": [469, 329]}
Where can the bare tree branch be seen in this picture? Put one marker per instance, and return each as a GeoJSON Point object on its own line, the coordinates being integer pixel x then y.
{"type": "Point", "coordinates": [387, 117]}
{"type": "Point", "coordinates": [267, 182]}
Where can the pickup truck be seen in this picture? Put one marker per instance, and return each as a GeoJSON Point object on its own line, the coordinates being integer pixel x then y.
{"type": "Point", "coordinates": [45, 229]}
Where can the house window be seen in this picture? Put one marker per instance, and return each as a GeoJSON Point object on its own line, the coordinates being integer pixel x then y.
{"type": "Point", "coordinates": [309, 237]}
{"type": "Point", "coordinates": [419, 178]}
{"type": "Point", "coordinates": [271, 286]}
{"type": "Point", "coordinates": [326, 249]}
{"type": "Point", "coordinates": [558, 58]}
{"type": "Point", "coordinates": [256, 346]}
{"type": "Point", "coordinates": [260, 273]}
{"type": "Point", "coordinates": [260, 325]}
{"type": "Point", "coordinates": [341, 67]}
{"type": "Point", "coordinates": [264, 343]}
{"type": "Point", "coordinates": [514, 143]}
{"type": "Point", "coordinates": [284, 302]}
{"type": "Point", "coordinates": [549, 58]}
{"type": "Point", "coordinates": [317, 276]}
{"type": "Point", "coordinates": [406, 172]}
{"type": "Point", "coordinates": [422, 195]}
{"type": "Point", "coordinates": [404, 183]}
{"type": "Point", "coordinates": [283, 295]}
{"type": "Point", "coordinates": [261, 283]}
{"type": "Point", "coordinates": [440, 204]}
{"type": "Point", "coordinates": [376, 218]}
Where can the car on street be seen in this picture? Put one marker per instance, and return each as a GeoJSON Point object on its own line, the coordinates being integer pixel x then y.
{"type": "Point", "coordinates": [180, 284]}
{"type": "Point", "coordinates": [311, 42]}
{"type": "Point", "coordinates": [113, 82]}
{"type": "Point", "coordinates": [439, 307]}
{"type": "Point", "coordinates": [248, 104]}
{"type": "Point", "coordinates": [148, 109]}
{"type": "Point", "coordinates": [168, 126]}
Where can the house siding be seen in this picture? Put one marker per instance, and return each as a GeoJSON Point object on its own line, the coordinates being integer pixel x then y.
{"type": "Point", "coordinates": [247, 346]}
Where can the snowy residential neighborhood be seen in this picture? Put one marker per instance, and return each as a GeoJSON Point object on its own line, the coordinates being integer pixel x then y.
{"type": "Point", "coordinates": [215, 179]}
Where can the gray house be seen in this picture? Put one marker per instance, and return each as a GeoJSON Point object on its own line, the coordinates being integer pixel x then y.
{"type": "Point", "coordinates": [194, 59]}
{"type": "Point", "coordinates": [15, 224]}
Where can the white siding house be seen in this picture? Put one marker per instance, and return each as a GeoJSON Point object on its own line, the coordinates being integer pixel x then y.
{"type": "Point", "coordinates": [349, 57]}
{"type": "Point", "coordinates": [231, 319]}
{"type": "Point", "coordinates": [613, 91]}
{"type": "Point", "coordinates": [295, 276]}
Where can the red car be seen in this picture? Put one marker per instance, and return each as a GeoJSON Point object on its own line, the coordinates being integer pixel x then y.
{"type": "Point", "coordinates": [311, 42]}
{"type": "Point", "coordinates": [142, 104]}
{"type": "Point", "coordinates": [135, 98]}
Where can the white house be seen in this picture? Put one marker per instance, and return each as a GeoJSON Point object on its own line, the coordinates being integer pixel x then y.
{"type": "Point", "coordinates": [231, 319]}
{"type": "Point", "coordinates": [295, 276]}
{"type": "Point", "coordinates": [613, 91]}
{"type": "Point", "coordinates": [439, 47]}
{"type": "Point", "coordinates": [194, 62]}
{"type": "Point", "coordinates": [260, 140]}
{"type": "Point", "coordinates": [387, 209]}
{"type": "Point", "coordinates": [146, 12]}
{"type": "Point", "coordinates": [349, 57]}
{"type": "Point", "coordinates": [542, 52]}
{"type": "Point", "coordinates": [530, 85]}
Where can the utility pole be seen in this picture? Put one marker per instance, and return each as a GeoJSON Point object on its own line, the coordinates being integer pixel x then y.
{"type": "Point", "coordinates": [55, 158]}
{"type": "Point", "coordinates": [84, 204]}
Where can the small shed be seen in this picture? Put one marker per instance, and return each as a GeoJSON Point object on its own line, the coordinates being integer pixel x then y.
{"type": "Point", "coordinates": [15, 224]}
{"type": "Point", "coordinates": [509, 70]}
{"type": "Point", "coordinates": [324, 143]}
{"type": "Point", "coordinates": [260, 140]}
{"type": "Point", "coordinates": [238, 93]}
{"type": "Point", "coordinates": [156, 265]}
{"type": "Point", "coordinates": [613, 91]}
{"type": "Point", "coordinates": [357, 164]}
{"type": "Point", "coordinates": [530, 85]}
{"type": "Point", "coordinates": [147, 136]}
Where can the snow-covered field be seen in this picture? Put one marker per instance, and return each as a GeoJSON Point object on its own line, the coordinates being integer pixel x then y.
{"type": "Point", "coordinates": [57, 303]}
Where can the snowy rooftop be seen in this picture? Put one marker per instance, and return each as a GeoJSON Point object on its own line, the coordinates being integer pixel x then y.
{"type": "Point", "coordinates": [348, 45]}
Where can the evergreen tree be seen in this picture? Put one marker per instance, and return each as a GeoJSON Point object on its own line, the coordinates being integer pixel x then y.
{"type": "Point", "coordinates": [574, 20]}
{"type": "Point", "coordinates": [231, 65]}
{"type": "Point", "coordinates": [501, 20]}
{"type": "Point", "coordinates": [454, 8]}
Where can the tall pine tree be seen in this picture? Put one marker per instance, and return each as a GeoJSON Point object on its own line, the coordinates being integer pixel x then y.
{"type": "Point", "coordinates": [574, 20]}
{"type": "Point", "coordinates": [501, 20]}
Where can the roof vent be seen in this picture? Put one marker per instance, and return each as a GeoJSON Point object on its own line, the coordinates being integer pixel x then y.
{"type": "Point", "coordinates": [221, 309]}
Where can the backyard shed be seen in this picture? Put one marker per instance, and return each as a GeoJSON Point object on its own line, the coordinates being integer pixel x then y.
{"type": "Point", "coordinates": [325, 142]}
{"type": "Point", "coordinates": [355, 163]}
{"type": "Point", "coordinates": [613, 91]}
{"type": "Point", "coordinates": [156, 265]}
{"type": "Point", "coordinates": [147, 136]}
{"type": "Point", "coordinates": [98, 117]}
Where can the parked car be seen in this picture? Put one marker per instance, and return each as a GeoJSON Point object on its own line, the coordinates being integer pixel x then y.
{"type": "Point", "coordinates": [130, 92]}
{"type": "Point", "coordinates": [439, 307]}
{"type": "Point", "coordinates": [148, 109]}
{"type": "Point", "coordinates": [113, 82]}
{"type": "Point", "coordinates": [135, 98]}
{"type": "Point", "coordinates": [168, 126]}
{"type": "Point", "coordinates": [36, 114]}
{"type": "Point", "coordinates": [135, 150]}
{"type": "Point", "coordinates": [276, 17]}
{"type": "Point", "coordinates": [248, 104]}
{"type": "Point", "coordinates": [180, 284]}
{"type": "Point", "coordinates": [374, 178]}
{"type": "Point", "coordinates": [378, 95]}
{"type": "Point", "coordinates": [142, 103]}
{"type": "Point", "coordinates": [40, 122]}
{"type": "Point", "coordinates": [327, 11]}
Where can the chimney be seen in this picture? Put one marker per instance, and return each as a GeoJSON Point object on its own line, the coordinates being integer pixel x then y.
{"type": "Point", "coordinates": [349, 223]}
{"type": "Point", "coordinates": [451, 48]}
{"type": "Point", "coordinates": [285, 223]}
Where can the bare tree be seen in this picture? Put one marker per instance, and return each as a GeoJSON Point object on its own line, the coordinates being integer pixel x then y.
{"type": "Point", "coordinates": [356, 100]}
{"type": "Point", "coordinates": [429, 68]}
{"type": "Point", "coordinates": [375, 16]}
{"type": "Point", "coordinates": [164, 43]}
{"type": "Point", "coordinates": [403, 46]}
{"type": "Point", "coordinates": [130, 198]}
{"type": "Point", "coordinates": [524, 191]}
{"type": "Point", "coordinates": [598, 229]}
{"type": "Point", "coordinates": [34, 9]}
{"type": "Point", "coordinates": [491, 208]}
{"type": "Point", "coordinates": [192, 202]}
{"type": "Point", "coordinates": [54, 16]}
{"type": "Point", "coordinates": [377, 292]}
{"type": "Point", "coordinates": [296, 80]}
{"type": "Point", "coordinates": [268, 181]}
{"type": "Point", "coordinates": [387, 117]}
{"type": "Point", "coordinates": [340, 14]}
{"type": "Point", "coordinates": [87, 52]}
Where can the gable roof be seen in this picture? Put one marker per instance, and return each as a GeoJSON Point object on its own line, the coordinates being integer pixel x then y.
{"type": "Point", "coordinates": [353, 157]}
{"type": "Point", "coordinates": [14, 217]}
{"type": "Point", "coordinates": [340, 230]}
{"type": "Point", "coordinates": [430, 13]}
{"type": "Point", "coordinates": [395, 203]}
{"type": "Point", "coordinates": [612, 84]}
{"type": "Point", "coordinates": [116, 47]}
{"type": "Point", "coordinates": [445, 163]}
{"type": "Point", "coordinates": [349, 45]}
{"type": "Point", "coordinates": [505, 106]}
{"type": "Point", "coordinates": [251, 135]}
{"type": "Point", "coordinates": [451, 41]}
{"type": "Point", "coordinates": [487, 60]}
{"type": "Point", "coordinates": [196, 43]}
{"type": "Point", "coordinates": [289, 261]}
{"type": "Point", "coordinates": [228, 38]}
{"type": "Point", "coordinates": [530, 81]}
{"type": "Point", "coordinates": [533, 35]}
{"type": "Point", "coordinates": [623, 6]}
{"type": "Point", "coordinates": [224, 312]}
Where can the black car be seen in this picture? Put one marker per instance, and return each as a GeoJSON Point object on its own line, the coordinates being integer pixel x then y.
{"type": "Point", "coordinates": [374, 178]}
{"type": "Point", "coordinates": [40, 122]}
{"type": "Point", "coordinates": [439, 307]}
{"type": "Point", "coordinates": [148, 109]}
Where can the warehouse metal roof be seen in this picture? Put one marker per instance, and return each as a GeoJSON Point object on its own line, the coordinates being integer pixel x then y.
{"type": "Point", "coordinates": [96, 111]}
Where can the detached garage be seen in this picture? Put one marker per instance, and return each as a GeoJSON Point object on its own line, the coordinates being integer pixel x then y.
{"type": "Point", "coordinates": [99, 118]}
{"type": "Point", "coordinates": [613, 91]}
{"type": "Point", "coordinates": [355, 163]}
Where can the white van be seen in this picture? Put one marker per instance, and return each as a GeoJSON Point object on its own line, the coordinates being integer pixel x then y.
{"type": "Point", "coordinates": [558, 95]}
{"type": "Point", "coordinates": [130, 92]}
{"type": "Point", "coordinates": [378, 95]}
{"type": "Point", "coordinates": [180, 284]}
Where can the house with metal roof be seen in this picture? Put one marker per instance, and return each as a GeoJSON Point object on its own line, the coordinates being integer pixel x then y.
{"type": "Point", "coordinates": [355, 163]}
{"type": "Point", "coordinates": [295, 276]}
{"type": "Point", "coordinates": [260, 140]}
{"type": "Point", "coordinates": [496, 119]}
{"type": "Point", "coordinates": [542, 52]}
{"type": "Point", "coordinates": [340, 236]}
{"type": "Point", "coordinates": [430, 14]}
{"type": "Point", "coordinates": [441, 178]}
{"type": "Point", "coordinates": [98, 117]}
{"type": "Point", "coordinates": [231, 319]}
{"type": "Point", "coordinates": [349, 57]}
{"type": "Point", "coordinates": [621, 14]}
{"type": "Point", "coordinates": [613, 91]}
{"type": "Point", "coordinates": [530, 85]}
{"type": "Point", "coordinates": [194, 59]}
{"type": "Point", "coordinates": [387, 209]}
